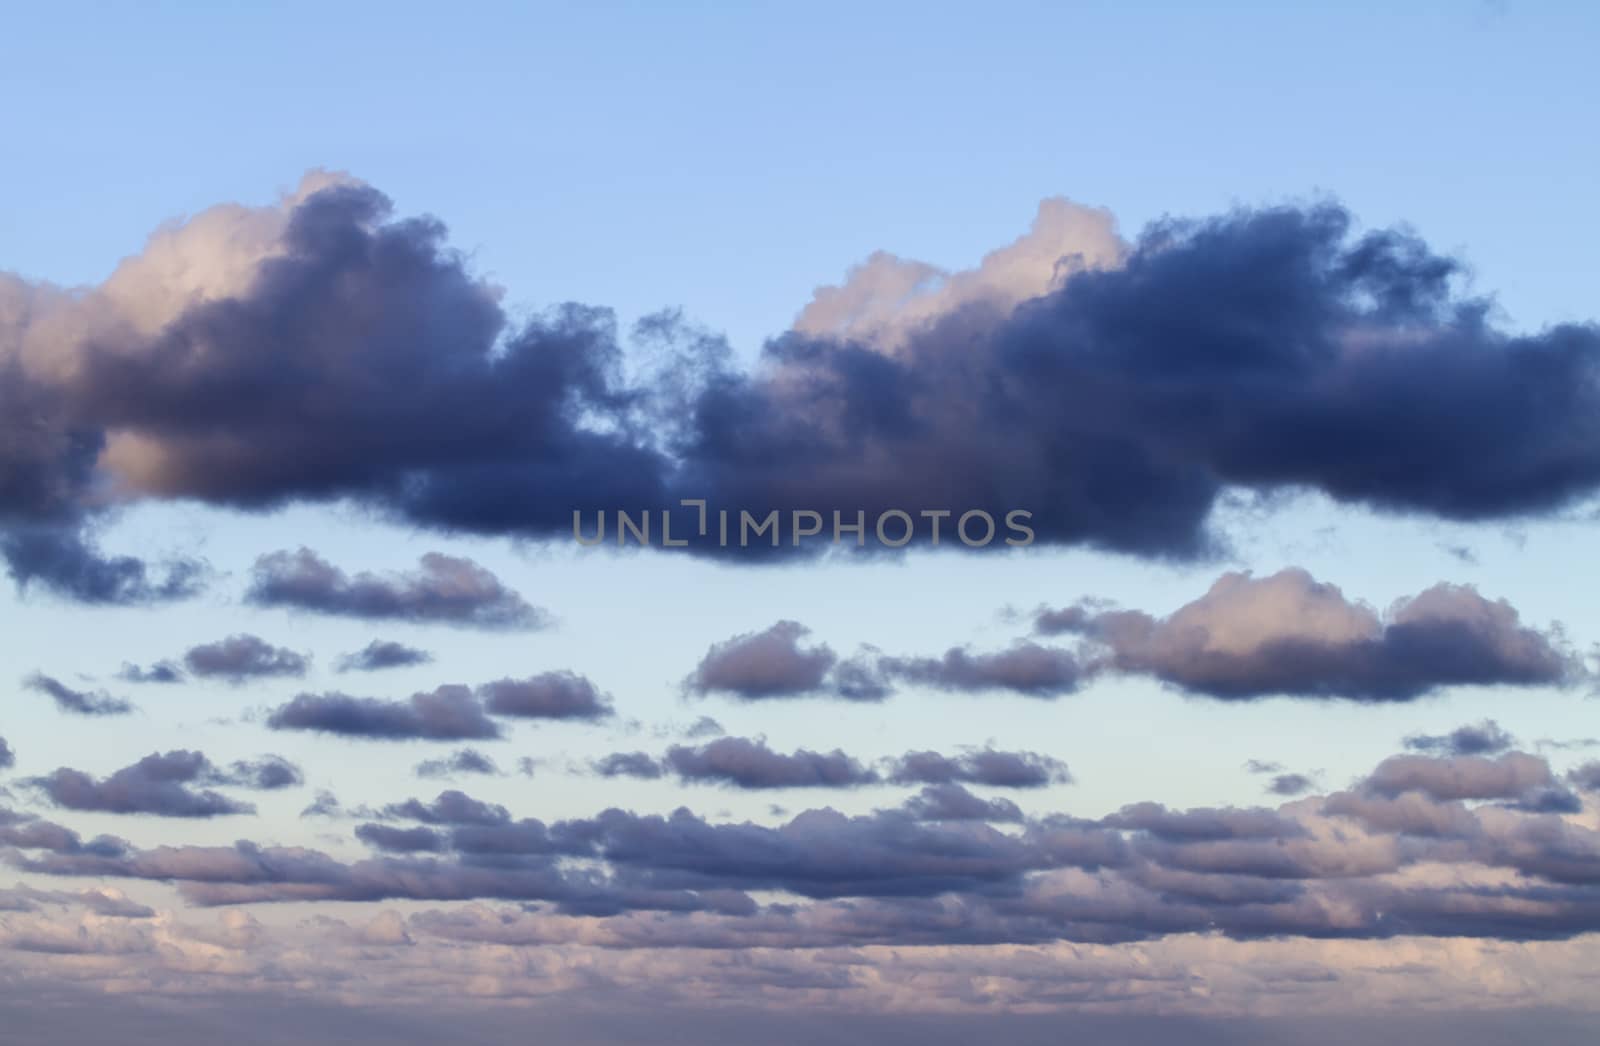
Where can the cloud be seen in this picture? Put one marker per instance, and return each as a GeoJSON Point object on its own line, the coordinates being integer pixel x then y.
{"type": "Point", "coordinates": [1289, 785]}
{"type": "Point", "coordinates": [448, 713]}
{"type": "Point", "coordinates": [242, 657]}
{"type": "Point", "coordinates": [162, 784]}
{"type": "Point", "coordinates": [78, 702]}
{"type": "Point", "coordinates": [71, 566]}
{"type": "Point", "coordinates": [380, 654]}
{"type": "Point", "coordinates": [159, 672]}
{"type": "Point", "coordinates": [1025, 668]}
{"type": "Point", "coordinates": [1294, 353]}
{"type": "Point", "coordinates": [1289, 634]}
{"type": "Point", "coordinates": [463, 761]}
{"type": "Point", "coordinates": [768, 664]}
{"type": "Point", "coordinates": [629, 764]}
{"type": "Point", "coordinates": [444, 590]}
{"type": "Point", "coordinates": [952, 802]}
{"type": "Point", "coordinates": [8, 758]}
{"type": "Point", "coordinates": [744, 763]}
{"type": "Point", "coordinates": [1509, 776]}
{"type": "Point", "coordinates": [549, 695]}
{"type": "Point", "coordinates": [1485, 738]}
{"type": "Point", "coordinates": [985, 766]}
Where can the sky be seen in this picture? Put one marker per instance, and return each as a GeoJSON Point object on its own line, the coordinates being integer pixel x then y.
{"type": "Point", "coordinates": [1265, 334]}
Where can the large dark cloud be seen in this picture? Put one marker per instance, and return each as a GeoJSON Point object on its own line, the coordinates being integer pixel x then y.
{"type": "Point", "coordinates": [443, 589]}
{"type": "Point", "coordinates": [77, 702]}
{"type": "Point", "coordinates": [380, 654]}
{"type": "Point", "coordinates": [1290, 634]}
{"type": "Point", "coordinates": [1270, 349]}
{"type": "Point", "coordinates": [171, 784]}
{"type": "Point", "coordinates": [243, 657]}
{"type": "Point", "coordinates": [448, 713]}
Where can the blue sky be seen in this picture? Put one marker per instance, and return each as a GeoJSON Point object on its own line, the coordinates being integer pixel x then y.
{"type": "Point", "coordinates": [729, 160]}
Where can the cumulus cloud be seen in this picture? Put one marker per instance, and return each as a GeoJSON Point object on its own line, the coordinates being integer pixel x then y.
{"type": "Point", "coordinates": [1485, 738]}
{"type": "Point", "coordinates": [952, 802]}
{"type": "Point", "coordinates": [77, 702]}
{"type": "Point", "coordinates": [159, 672]}
{"type": "Point", "coordinates": [462, 761]}
{"type": "Point", "coordinates": [1289, 634]}
{"type": "Point", "coordinates": [772, 663]}
{"type": "Point", "coordinates": [380, 654]}
{"type": "Point", "coordinates": [170, 784]}
{"type": "Point", "coordinates": [1294, 353]}
{"type": "Point", "coordinates": [240, 658]}
{"type": "Point", "coordinates": [447, 713]}
{"type": "Point", "coordinates": [744, 763]}
{"type": "Point", "coordinates": [1025, 668]}
{"type": "Point", "coordinates": [549, 695]}
{"type": "Point", "coordinates": [985, 766]}
{"type": "Point", "coordinates": [443, 589]}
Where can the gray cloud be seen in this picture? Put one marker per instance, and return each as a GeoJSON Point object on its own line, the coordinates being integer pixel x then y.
{"type": "Point", "coordinates": [443, 590]}
{"type": "Point", "coordinates": [243, 657]}
{"type": "Point", "coordinates": [159, 672]}
{"type": "Point", "coordinates": [1289, 634]}
{"type": "Point", "coordinates": [1025, 668]}
{"type": "Point", "coordinates": [78, 702]}
{"type": "Point", "coordinates": [629, 764]}
{"type": "Point", "coordinates": [380, 654]}
{"type": "Point", "coordinates": [985, 766]}
{"type": "Point", "coordinates": [768, 664]}
{"type": "Point", "coordinates": [744, 763]}
{"type": "Point", "coordinates": [170, 784]}
{"type": "Point", "coordinates": [8, 758]}
{"type": "Point", "coordinates": [549, 695]}
{"type": "Point", "coordinates": [1485, 738]}
{"type": "Point", "coordinates": [463, 761]}
{"type": "Point", "coordinates": [448, 713]}
{"type": "Point", "coordinates": [952, 802]}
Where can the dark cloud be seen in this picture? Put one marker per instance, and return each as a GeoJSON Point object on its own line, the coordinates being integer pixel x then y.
{"type": "Point", "coordinates": [443, 589]}
{"type": "Point", "coordinates": [952, 802]}
{"type": "Point", "coordinates": [170, 784]}
{"type": "Point", "coordinates": [1289, 634]}
{"type": "Point", "coordinates": [1025, 668]}
{"type": "Point", "coordinates": [77, 702]}
{"type": "Point", "coordinates": [986, 766]}
{"type": "Point", "coordinates": [1289, 785]}
{"type": "Point", "coordinates": [549, 695]}
{"type": "Point", "coordinates": [1513, 775]}
{"type": "Point", "coordinates": [1294, 355]}
{"type": "Point", "coordinates": [390, 839]}
{"type": "Point", "coordinates": [70, 565]}
{"type": "Point", "coordinates": [243, 657]}
{"type": "Point", "coordinates": [450, 807]}
{"type": "Point", "coordinates": [1485, 738]}
{"type": "Point", "coordinates": [744, 763]}
{"type": "Point", "coordinates": [704, 726]}
{"type": "Point", "coordinates": [464, 761]}
{"type": "Point", "coordinates": [159, 672]}
{"type": "Point", "coordinates": [8, 758]}
{"type": "Point", "coordinates": [448, 713]}
{"type": "Point", "coordinates": [629, 764]}
{"type": "Point", "coordinates": [380, 654]}
{"type": "Point", "coordinates": [769, 664]}
{"type": "Point", "coordinates": [1586, 776]}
